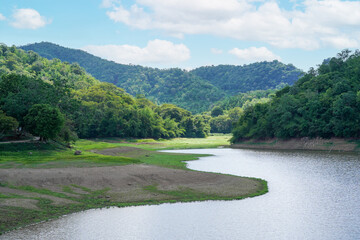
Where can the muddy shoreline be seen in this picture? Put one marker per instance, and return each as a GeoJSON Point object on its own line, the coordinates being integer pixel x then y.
{"type": "Point", "coordinates": [315, 144]}
{"type": "Point", "coordinates": [125, 183]}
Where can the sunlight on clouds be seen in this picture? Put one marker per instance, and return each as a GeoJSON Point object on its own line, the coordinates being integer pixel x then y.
{"type": "Point", "coordinates": [2, 17]}
{"type": "Point", "coordinates": [318, 23]}
{"type": "Point", "coordinates": [254, 54]}
{"type": "Point", "coordinates": [156, 51]}
{"type": "Point", "coordinates": [27, 18]}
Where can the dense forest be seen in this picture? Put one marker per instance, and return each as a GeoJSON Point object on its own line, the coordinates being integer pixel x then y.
{"type": "Point", "coordinates": [59, 100]}
{"type": "Point", "coordinates": [244, 100]}
{"type": "Point", "coordinates": [196, 91]}
{"type": "Point", "coordinates": [325, 103]}
{"type": "Point", "coordinates": [257, 76]}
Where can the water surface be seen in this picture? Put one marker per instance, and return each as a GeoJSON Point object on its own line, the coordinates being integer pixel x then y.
{"type": "Point", "coordinates": [311, 195]}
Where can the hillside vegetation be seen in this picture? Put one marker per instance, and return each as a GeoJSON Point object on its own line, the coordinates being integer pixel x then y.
{"type": "Point", "coordinates": [257, 76]}
{"type": "Point", "coordinates": [323, 103]}
{"type": "Point", "coordinates": [195, 91]}
{"type": "Point", "coordinates": [57, 100]}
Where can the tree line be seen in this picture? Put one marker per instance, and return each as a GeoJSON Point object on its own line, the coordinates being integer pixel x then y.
{"type": "Point", "coordinates": [325, 103]}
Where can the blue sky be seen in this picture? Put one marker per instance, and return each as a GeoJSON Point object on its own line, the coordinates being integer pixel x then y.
{"type": "Point", "coordinates": [188, 33]}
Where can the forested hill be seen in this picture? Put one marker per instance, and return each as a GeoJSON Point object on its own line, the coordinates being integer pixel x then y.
{"type": "Point", "coordinates": [196, 90]}
{"type": "Point", "coordinates": [257, 76]}
{"type": "Point", "coordinates": [323, 103]}
{"type": "Point", "coordinates": [174, 86]}
{"type": "Point", "coordinates": [59, 100]}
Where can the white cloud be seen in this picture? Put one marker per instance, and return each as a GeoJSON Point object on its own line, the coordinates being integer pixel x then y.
{"type": "Point", "coordinates": [156, 52]}
{"type": "Point", "coordinates": [254, 54]}
{"type": "Point", "coordinates": [109, 3]}
{"type": "Point", "coordinates": [27, 18]}
{"type": "Point", "coordinates": [311, 24]}
{"type": "Point", "coordinates": [2, 17]}
{"type": "Point", "coordinates": [216, 51]}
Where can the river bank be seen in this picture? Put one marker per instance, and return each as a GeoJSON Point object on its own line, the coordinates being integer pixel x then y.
{"type": "Point", "coordinates": [106, 174]}
{"type": "Point", "coordinates": [317, 144]}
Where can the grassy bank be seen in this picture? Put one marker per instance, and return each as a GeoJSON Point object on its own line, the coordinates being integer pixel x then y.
{"type": "Point", "coordinates": [21, 205]}
{"type": "Point", "coordinates": [39, 155]}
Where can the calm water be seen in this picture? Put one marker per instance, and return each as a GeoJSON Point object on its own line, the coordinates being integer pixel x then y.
{"type": "Point", "coordinates": [312, 196]}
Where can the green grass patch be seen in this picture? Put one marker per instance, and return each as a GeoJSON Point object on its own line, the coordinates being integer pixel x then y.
{"type": "Point", "coordinates": [4, 196]}
{"type": "Point", "coordinates": [151, 144]}
{"type": "Point", "coordinates": [171, 160]}
{"type": "Point", "coordinates": [13, 217]}
{"type": "Point", "coordinates": [34, 155]}
{"type": "Point", "coordinates": [182, 194]}
{"type": "Point", "coordinates": [328, 144]}
{"type": "Point", "coordinates": [41, 155]}
{"type": "Point", "coordinates": [356, 141]}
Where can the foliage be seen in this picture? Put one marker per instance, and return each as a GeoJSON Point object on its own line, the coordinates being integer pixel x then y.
{"type": "Point", "coordinates": [195, 91]}
{"type": "Point", "coordinates": [91, 109]}
{"type": "Point", "coordinates": [7, 124]}
{"type": "Point", "coordinates": [30, 64]}
{"type": "Point", "coordinates": [221, 124]}
{"type": "Point", "coordinates": [244, 100]}
{"type": "Point", "coordinates": [216, 111]}
{"type": "Point", "coordinates": [257, 76]}
{"type": "Point", "coordinates": [323, 103]}
{"type": "Point", "coordinates": [44, 121]}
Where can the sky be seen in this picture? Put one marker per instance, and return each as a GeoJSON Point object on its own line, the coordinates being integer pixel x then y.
{"type": "Point", "coordinates": [188, 33]}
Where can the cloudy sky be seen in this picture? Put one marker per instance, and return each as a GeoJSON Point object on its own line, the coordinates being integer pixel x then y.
{"type": "Point", "coordinates": [188, 33]}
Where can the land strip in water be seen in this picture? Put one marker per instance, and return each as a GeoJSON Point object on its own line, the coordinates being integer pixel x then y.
{"type": "Point", "coordinates": [38, 182]}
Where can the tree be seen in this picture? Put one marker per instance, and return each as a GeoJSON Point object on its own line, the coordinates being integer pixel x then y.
{"type": "Point", "coordinates": [235, 114]}
{"type": "Point", "coordinates": [216, 111]}
{"type": "Point", "coordinates": [7, 124]}
{"type": "Point", "coordinates": [44, 121]}
{"type": "Point", "coordinates": [19, 93]}
{"type": "Point", "coordinates": [221, 124]}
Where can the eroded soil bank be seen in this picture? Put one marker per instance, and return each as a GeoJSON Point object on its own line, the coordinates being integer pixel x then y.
{"type": "Point", "coordinates": [332, 144]}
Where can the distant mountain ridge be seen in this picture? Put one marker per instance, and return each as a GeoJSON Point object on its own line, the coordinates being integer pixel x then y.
{"type": "Point", "coordinates": [260, 75]}
{"type": "Point", "coordinates": [196, 90]}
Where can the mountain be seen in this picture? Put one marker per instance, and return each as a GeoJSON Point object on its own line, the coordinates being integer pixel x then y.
{"type": "Point", "coordinates": [323, 103]}
{"type": "Point", "coordinates": [196, 90]}
{"type": "Point", "coordinates": [257, 76]}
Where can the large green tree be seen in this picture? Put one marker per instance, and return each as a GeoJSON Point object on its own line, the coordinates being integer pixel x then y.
{"type": "Point", "coordinates": [44, 121]}
{"type": "Point", "coordinates": [7, 124]}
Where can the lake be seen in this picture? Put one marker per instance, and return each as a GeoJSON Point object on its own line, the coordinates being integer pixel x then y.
{"type": "Point", "coordinates": [312, 195]}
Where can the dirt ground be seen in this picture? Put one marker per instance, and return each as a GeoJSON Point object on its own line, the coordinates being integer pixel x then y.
{"type": "Point", "coordinates": [125, 183]}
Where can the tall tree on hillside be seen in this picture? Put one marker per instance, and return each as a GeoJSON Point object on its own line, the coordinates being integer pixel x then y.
{"type": "Point", "coordinates": [44, 121]}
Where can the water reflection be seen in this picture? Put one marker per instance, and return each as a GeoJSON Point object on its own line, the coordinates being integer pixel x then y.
{"type": "Point", "coordinates": [312, 196]}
